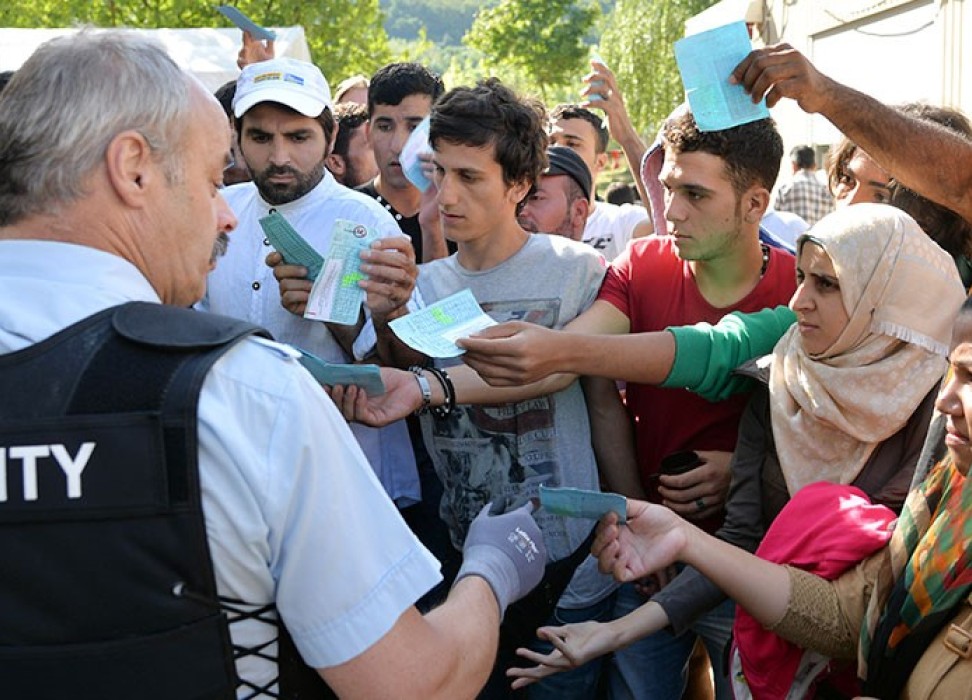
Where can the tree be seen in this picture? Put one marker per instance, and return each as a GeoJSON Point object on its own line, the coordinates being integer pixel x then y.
{"type": "Point", "coordinates": [541, 40]}
{"type": "Point", "coordinates": [638, 45]}
{"type": "Point", "coordinates": [344, 36]}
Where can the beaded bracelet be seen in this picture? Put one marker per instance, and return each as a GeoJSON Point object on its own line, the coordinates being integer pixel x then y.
{"type": "Point", "coordinates": [448, 389]}
{"type": "Point", "coordinates": [423, 387]}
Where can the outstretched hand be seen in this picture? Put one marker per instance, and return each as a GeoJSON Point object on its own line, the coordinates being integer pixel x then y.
{"type": "Point", "coordinates": [652, 538]}
{"type": "Point", "coordinates": [402, 396]}
{"type": "Point", "coordinates": [574, 645]}
{"type": "Point", "coordinates": [780, 71]}
{"type": "Point", "coordinates": [512, 353]}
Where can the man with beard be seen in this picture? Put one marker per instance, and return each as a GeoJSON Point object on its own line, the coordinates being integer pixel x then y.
{"type": "Point", "coordinates": [562, 199]}
{"type": "Point", "coordinates": [285, 128]}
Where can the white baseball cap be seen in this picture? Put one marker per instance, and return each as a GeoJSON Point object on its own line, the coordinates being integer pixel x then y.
{"type": "Point", "coordinates": [297, 84]}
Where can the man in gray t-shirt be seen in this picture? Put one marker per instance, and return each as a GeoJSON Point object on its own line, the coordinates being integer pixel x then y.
{"type": "Point", "coordinates": [485, 167]}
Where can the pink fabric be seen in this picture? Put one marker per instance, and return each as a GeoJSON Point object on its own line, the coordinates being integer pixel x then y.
{"type": "Point", "coordinates": [825, 529]}
{"type": "Point", "coordinates": [651, 165]}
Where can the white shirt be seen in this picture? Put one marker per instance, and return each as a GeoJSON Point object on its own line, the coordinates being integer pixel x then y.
{"type": "Point", "coordinates": [242, 286]}
{"type": "Point", "coordinates": [609, 227]}
{"type": "Point", "coordinates": [293, 513]}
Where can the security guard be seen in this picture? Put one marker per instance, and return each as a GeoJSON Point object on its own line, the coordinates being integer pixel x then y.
{"type": "Point", "coordinates": [172, 486]}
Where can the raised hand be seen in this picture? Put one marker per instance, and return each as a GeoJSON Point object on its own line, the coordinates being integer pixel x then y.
{"type": "Point", "coordinates": [780, 71]}
{"type": "Point", "coordinates": [254, 50]}
{"type": "Point", "coordinates": [602, 93]}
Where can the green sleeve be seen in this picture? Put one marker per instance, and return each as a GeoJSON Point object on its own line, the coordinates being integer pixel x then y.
{"type": "Point", "coordinates": [706, 354]}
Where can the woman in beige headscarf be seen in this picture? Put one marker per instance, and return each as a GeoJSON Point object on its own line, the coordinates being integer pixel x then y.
{"type": "Point", "coordinates": [850, 391]}
{"type": "Point", "coordinates": [874, 311]}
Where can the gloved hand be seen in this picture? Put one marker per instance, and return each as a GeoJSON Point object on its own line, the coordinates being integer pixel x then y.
{"type": "Point", "coordinates": [506, 550]}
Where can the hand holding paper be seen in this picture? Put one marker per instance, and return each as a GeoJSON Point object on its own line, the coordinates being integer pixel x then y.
{"type": "Point", "coordinates": [433, 331]}
{"type": "Point", "coordinates": [706, 61]}
{"type": "Point", "coordinates": [411, 156]}
{"type": "Point", "coordinates": [581, 503]}
{"type": "Point", "coordinates": [367, 377]}
{"type": "Point", "coordinates": [337, 296]}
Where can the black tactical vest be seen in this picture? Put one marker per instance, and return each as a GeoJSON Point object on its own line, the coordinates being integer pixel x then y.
{"type": "Point", "coordinates": [107, 589]}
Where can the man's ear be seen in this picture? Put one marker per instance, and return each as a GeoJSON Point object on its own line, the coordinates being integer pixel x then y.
{"type": "Point", "coordinates": [580, 208]}
{"type": "Point", "coordinates": [519, 191]}
{"type": "Point", "coordinates": [336, 165]}
{"type": "Point", "coordinates": [131, 167]}
{"type": "Point", "coordinates": [599, 162]}
{"type": "Point", "coordinates": [755, 201]}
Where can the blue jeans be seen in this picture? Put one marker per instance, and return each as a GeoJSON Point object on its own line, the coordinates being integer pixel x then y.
{"type": "Point", "coordinates": [654, 668]}
{"type": "Point", "coordinates": [580, 683]}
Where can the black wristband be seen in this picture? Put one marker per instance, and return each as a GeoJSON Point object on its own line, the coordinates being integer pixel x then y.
{"type": "Point", "coordinates": [448, 389]}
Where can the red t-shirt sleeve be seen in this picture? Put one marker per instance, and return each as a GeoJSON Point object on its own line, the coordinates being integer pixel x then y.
{"type": "Point", "coordinates": [616, 288]}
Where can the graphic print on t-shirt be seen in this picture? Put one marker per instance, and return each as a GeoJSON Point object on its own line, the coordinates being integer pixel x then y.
{"type": "Point", "coordinates": [484, 453]}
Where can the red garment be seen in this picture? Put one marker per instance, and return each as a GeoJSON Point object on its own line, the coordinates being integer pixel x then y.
{"type": "Point", "coordinates": [655, 289]}
{"type": "Point", "coordinates": [824, 529]}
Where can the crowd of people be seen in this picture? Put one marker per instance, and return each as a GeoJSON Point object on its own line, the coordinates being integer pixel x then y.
{"type": "Point", "coordinates": [776, 372]}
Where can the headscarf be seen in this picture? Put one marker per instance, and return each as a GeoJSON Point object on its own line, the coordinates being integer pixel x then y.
{"type": "Point", "coordinates": [901, 293]}
{"type": "Point", "coordinates": [926, 575]}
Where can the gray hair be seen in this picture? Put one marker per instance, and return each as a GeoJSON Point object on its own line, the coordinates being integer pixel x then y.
{"type": "Point", "coordinates": [69, 100]}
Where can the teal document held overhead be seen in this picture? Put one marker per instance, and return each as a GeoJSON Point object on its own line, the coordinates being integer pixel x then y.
{"type": "Point", "coordinates": [706, 61]}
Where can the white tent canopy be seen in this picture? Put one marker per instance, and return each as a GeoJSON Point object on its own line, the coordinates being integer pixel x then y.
{"type": "Point", "coordinates": [209, 54]}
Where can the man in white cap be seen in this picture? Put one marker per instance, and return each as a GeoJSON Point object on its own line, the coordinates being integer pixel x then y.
{"type": "Point", "coordinates": [286, 129]}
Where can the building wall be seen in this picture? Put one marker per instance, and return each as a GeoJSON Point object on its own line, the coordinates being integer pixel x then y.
{"type": "Point", "coordinates": [894, 50]}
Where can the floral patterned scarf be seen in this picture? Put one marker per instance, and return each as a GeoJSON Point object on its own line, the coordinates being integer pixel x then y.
{"type": "Point", "coordinates": [927, 574]}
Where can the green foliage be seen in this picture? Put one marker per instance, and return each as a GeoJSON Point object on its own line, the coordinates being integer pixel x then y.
{"type": "Point", "coordinates": [445, 21]}
{"type": "Point", "coordinates": [344, 36]}
{"type": "Point", "coordinates": [535, 44]}
{"type": "Point", "coordinates": [637, 44]}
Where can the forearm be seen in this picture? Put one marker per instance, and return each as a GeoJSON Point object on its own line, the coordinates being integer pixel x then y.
{"type": "Point", "coordinates": [472, 389]}
{"type": "Point", "coordinates": [638, 624]}
{"type": "Point", "coordinates": [466, 633]}
{"type": "Point", "coordinates": [645, 358]}
{"type": "Point", "coordinates": [686, 598]}
{"type": "Point", "coordinates": [392, 352]}
{"type": "Point", "coordinates": [433, 244]}
{"type": "Point", "coordinates": [634, 150]}
{"type": "Point", "coordinates": [346, 334]}
{"type": "Point", "coordinates": [704, 355]}
{"type": "Point", "coordinates": [445, 654]}
{"type": "Point", "coordinates": [943, 173]}
{"type": "Point", "coordinates": [759, 586]}
{"type": "Point", "coordinates": [612, 438]}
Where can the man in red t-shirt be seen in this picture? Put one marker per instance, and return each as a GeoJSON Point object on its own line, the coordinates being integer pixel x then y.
{"type": "Point", "coordinates": [717, 187]}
